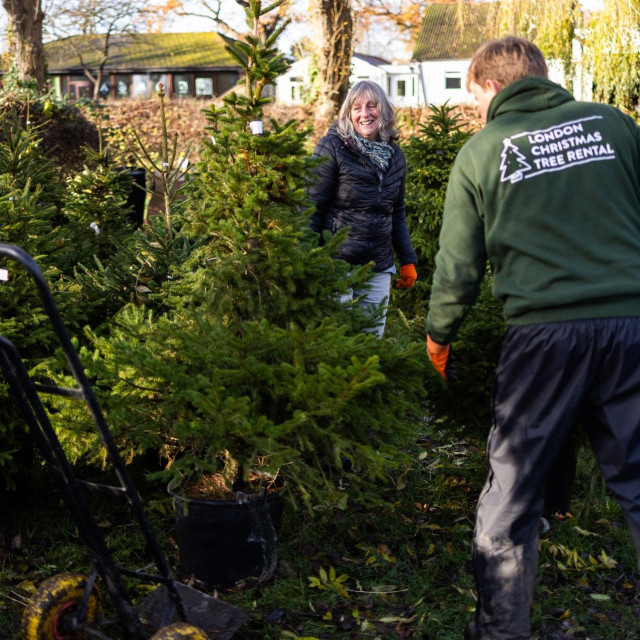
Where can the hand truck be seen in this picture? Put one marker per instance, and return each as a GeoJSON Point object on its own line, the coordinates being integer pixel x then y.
{"type": "Point", "coordinates": [68, 606]}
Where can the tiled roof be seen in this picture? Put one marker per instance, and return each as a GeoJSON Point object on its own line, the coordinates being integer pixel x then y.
{"type": "Point", "coordinates": [445, 36]}
{"type": "Point", "coordinates": [144, 52]}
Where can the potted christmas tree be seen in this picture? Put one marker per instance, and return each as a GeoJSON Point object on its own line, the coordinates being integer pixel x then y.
{"type": "Point", "coordinates": [257, 374]}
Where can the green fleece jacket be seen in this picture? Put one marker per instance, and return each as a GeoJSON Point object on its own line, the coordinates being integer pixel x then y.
{"type": "Point", "coordinates": [549, 192]}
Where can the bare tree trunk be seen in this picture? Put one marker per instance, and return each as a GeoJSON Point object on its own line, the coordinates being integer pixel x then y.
{"type": "Point", "coordinates": [98, 82]}
{"type": "Point", "coordinates": [333, 25]}
{"type": "Point", "coordinates": [25, 22]}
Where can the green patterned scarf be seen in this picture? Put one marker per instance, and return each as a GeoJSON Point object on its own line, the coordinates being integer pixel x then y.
{"type": "Point", "coordinates": [379, 152]}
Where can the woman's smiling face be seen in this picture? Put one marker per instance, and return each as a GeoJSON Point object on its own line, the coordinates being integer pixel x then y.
{"type": "Point", "coordinates": [365, 116]}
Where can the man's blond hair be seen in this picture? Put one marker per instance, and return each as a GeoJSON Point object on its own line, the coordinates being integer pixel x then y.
{"type": "Point", "coordinates": [506, 60]}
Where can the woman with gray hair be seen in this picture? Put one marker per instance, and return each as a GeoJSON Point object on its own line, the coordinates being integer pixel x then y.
{"type": "Point", "coordinates": [361, 184]}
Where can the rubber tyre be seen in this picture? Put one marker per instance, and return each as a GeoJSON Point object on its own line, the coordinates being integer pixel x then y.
{"type": "Point", "coordinates": [180, 631]}
{"type": "Point", "coordinates": [44, 617]}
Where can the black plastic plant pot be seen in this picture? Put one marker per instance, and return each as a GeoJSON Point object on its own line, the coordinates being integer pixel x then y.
{"type": "Point", "coordinates": [227, 543]}
{"type": "Point", "coordinates": [137, 196]}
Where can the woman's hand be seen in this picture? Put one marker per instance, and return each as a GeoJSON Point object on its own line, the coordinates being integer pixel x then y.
{"type": "Point", "coordinates": [408, 277]}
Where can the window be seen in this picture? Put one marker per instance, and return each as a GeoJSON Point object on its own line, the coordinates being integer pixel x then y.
{"type": "Point", "coordinates": [204, 86]}
{"type": "Point", "coordinates": [123, 86]}
{"type": "Point", "coordinates": [182, 85]}
{"type": "Point", "coordinates": [85, 90]}
{"type": "Point", "coordinates": [296, 84]}
{"type": "Point", "coordinates": [79, 87]}
{"type": "Point", "coordinates": [104, 90]}
{"type": "Point", "coordinates": [225, 80]}
{"type": "Point", "coordinates": [401, 88]}
{"type": "Point", "coordinates": [157, 78]}
{"type": "Point", "coordinates": [452, 80]}
{"type": "Point", "coordinates": [68, 80]}
{"type": "Point", "coordinates": [140, 86]}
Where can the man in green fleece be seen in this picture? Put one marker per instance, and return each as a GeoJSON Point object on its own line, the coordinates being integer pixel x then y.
{"type": "Point", "coordinates": [549, 193]}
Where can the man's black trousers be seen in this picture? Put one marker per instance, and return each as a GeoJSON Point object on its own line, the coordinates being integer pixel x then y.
{"type": "Point", "coordinates": [550, 378]}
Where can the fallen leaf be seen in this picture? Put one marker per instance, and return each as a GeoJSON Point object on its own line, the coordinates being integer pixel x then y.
{"type": "Point", "coordinates": [396, 620]}
{"type": "Point", "coordinates": [383, 588]}
{"type": "Point", "coordinates": [28, 586]}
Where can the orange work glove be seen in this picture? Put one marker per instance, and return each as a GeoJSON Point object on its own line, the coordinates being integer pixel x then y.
{"type": "Point", "coordinates": [441, 356]}
{"type": "Point", "coordinates": [408, 276]}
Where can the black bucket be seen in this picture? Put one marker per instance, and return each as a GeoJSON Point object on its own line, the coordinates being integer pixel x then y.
{"type": "Point", "coordinates": [137, 196]}
{"type": "Point", "coordinates": [224, 542]}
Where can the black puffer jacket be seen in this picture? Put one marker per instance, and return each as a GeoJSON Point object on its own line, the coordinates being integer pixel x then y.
{"type": "Point", "coordinates": [351, 190]}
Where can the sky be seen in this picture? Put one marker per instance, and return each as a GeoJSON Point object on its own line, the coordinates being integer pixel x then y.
{"type": "Point", "coordinates": [377, 43]}
{"type": "Point", "coordinates": [380, 42]}
{"type": "Point", "coordinates": [235, 16]}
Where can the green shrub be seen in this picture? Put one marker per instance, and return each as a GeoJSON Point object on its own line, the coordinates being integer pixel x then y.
{"type": "Point", "coordinates": [467, 403]}
{"type": "Point", "coordinates": [49, 219]}
{"type": "Point", "coordinates": [140, 263]}
{"type": "Point", "coordinates": [29, 193]}
{"type": "Point", "coordinates": [430, 157]}
{"type": "Point", "coordinates": [64, 129]}
{"type": "Point", "coordinates": [97, 218]}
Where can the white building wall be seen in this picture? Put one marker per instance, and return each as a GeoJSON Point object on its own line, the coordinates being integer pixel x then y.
{"type": "Point", "coordinates": [292, 85]}
{"type": "Point", "coordinates": [436, 73]}
{"type": "Point", "coordinates": [582, 79]}
{"type": "Point", "coordinates": [401, 82]}
{"type": "Point", "coordinates": [418, 83]}
{"type": "Point", "coordinates": [446, 80]}
{"type": "Point", "coordinates": [362, 70]}
{"type": "Point", "coordinates": [403, 85]}
{"type": "Point", "coordinates": [556, 72]}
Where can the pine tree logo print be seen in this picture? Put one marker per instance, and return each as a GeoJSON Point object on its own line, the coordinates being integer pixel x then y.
{"type": "Point", "coordinates": [513, 164]}
{"type": "Point", "coordinates": [564, 145]}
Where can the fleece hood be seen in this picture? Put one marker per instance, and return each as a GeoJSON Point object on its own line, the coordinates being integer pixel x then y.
{"type": "Point", "coordinates": [527, 96]}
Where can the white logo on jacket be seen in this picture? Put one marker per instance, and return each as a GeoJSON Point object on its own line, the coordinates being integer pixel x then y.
{"type": "Point", "coordinates": [562, 146]}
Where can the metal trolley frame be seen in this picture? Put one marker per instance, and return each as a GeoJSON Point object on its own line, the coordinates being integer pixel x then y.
{"type": "Point", "coordinates": [171, 601]}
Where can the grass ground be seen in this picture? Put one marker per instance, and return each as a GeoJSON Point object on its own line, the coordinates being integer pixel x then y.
{"type": "Point", "coordinates": [394, 573]}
